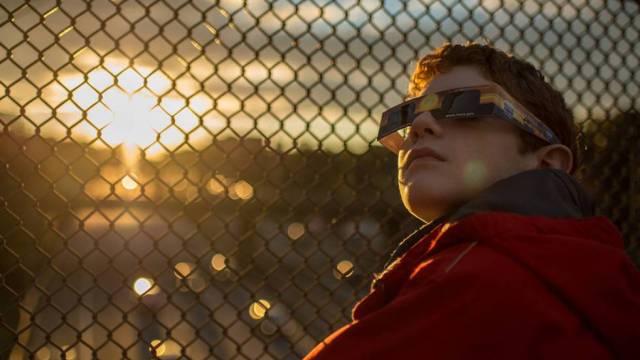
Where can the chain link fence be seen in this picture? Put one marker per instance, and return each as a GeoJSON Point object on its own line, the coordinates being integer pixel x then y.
{"type": "Point", "coordinates": [200, 179]}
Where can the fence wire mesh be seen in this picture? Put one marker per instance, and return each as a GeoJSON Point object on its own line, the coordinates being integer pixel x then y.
{"type": "Point", "coordinates": [200, 179]}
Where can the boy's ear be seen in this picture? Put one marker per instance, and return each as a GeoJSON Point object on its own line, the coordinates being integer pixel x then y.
{"type": "Point", "coordinates": [555, 156]}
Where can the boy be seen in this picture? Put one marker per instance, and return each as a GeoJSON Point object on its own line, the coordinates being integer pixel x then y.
{"type": "Point", "coordinates": [511, 263]}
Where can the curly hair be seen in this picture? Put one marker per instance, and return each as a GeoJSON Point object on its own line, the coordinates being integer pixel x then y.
{"type": "Point", "coordinates": [519, 78]}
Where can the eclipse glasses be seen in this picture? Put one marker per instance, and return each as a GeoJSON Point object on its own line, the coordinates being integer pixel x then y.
{"type": "Point", "coordinates": [461, 103]}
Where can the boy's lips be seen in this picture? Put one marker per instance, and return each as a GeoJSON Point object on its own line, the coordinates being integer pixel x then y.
{"type": "Point", "coordinates": [420, 152]}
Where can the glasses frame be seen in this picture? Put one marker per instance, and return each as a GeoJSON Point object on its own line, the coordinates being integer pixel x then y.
{"type": "Point", "coordinates": [481, 101]}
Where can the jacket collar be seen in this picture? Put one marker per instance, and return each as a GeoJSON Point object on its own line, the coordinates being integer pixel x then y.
{"type": "Point", "coordinates": [541, 192]}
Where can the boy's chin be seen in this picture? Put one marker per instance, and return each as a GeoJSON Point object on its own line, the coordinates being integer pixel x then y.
{"type": "Point", "coordinates": [425, 208]}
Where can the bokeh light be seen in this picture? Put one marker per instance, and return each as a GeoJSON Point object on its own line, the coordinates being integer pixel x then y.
{"type": "Point", "coordinates": [268, 328]}
{"type": "Point", "coordinates": [241, 190]}
{"type": "Point", "coordinates": [129, 183]}
{"type": "Point", "coordinates": [295, 230]}
{"type": "Point", "coordinates": [183, 270]}
{"type": "Point", "coordinates": [157, 347]}
{"type": "Point", "coordinates": [144, 286]}
{"type": "Point", "coordinates": [218, 262]}
{"type": "Point", "coordinates": [197, 283]}
{"type": "Point", "coordinates": [216, 185]}
{"type": "Point", "coordinates": [69, 353]}
{"type": "Point", "coordinates": [43, 354]}
{"type": "Point", "coordinates": [343, 269]}
{"type": "Point", "coordinates": [258, 309]}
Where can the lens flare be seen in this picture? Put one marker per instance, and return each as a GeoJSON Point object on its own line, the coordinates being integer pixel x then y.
{"type": "Point", "coordinates": [475, 174]}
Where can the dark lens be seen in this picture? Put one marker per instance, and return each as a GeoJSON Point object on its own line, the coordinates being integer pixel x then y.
{"type": "Point", "coordinates": [395, 118]}
{"type": "Point", "coordinates": [400, 117]}
{"type": "Point", "coordinates": [407, 113]}
{"type": "Point", "coordinates": [463, 102]}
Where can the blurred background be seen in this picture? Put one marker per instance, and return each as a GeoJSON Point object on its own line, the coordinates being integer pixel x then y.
{"type": "Point", "coordinates": [200, 179]}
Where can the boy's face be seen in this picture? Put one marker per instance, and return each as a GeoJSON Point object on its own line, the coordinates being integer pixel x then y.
{"type": "Point", "coordinates": [473, 154]}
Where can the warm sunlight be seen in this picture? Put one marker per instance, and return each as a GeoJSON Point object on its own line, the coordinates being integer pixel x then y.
{"type": "Point", "coordinates": [125, 111]}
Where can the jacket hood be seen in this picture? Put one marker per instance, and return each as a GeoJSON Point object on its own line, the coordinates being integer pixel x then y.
{"type": "Point", "coordinates": [541, 192]}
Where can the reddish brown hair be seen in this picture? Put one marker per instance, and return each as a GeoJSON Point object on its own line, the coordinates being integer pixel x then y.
{"type": "Point", "coordinates": [519, 78]}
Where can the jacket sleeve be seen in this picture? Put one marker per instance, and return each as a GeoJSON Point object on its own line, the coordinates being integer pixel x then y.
{"type": "Point", "coordinates": [485, 307]}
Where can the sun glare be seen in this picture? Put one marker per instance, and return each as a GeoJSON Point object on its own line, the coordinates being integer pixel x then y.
{"type": "Point", "coordinates": [128, 111]}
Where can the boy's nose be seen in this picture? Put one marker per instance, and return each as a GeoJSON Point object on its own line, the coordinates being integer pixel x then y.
{"type": "Point", "coordinates": [422, 125]}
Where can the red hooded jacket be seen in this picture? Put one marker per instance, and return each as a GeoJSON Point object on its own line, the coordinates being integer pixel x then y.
{"type": "Point", "coordinates": [501, 285]}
